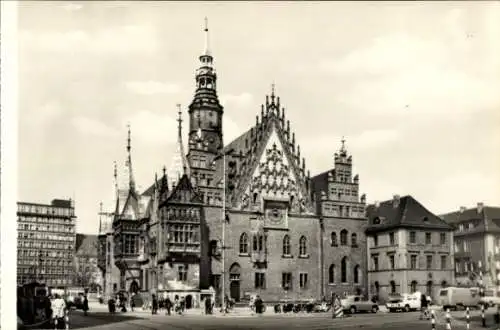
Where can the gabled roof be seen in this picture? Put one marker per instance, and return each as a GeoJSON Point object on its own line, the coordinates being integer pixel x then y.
{"type": "Point", "coordinates": [184, 185]}
{"type": "Point", "coordinates": [407, 213]}
{"type": "Point", "coordinates": [489, 216]}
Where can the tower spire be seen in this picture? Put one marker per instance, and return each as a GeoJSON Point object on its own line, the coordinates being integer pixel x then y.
{"type": "Point", "coordinates": [343, 150]}
{"type": "Point", "coordinates": [131, 181]}
{"type": "Point", "coordinates": [206, 51]}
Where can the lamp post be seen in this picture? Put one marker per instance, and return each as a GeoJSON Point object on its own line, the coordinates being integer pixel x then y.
{"type": "Point", "coordinates": [223, 154]}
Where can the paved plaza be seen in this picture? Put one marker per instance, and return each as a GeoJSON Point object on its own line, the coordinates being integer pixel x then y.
{"type": "Point", "coordinates": [241, 319]}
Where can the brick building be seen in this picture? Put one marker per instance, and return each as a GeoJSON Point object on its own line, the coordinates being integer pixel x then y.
{"type": "Point", "coordinates": [410, 249]}
{"type": "Point", "coordinates": [46, 242]}
{"type": "Point", "coordinates": [477, 242]}
{"type": "Point", "coordinates": [287, 234]}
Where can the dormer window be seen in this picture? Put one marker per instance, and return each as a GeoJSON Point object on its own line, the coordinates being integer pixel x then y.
{"type": "Point", "coordinates": [376, 221]}
{"type": "Point", "coordinates": [425, 219]}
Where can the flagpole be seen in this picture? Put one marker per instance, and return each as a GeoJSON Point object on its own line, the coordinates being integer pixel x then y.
{"type": "Point", "coordinates": [223, 232]}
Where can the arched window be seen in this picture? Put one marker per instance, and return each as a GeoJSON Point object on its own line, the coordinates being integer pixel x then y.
{"type": "Point", "coordinates": [331, 274]}
{"type": "Point", "coordinates": [303, 246]}
{"type": "Point", "coordinates": [356, 274]}
{"type": "Point", "coordinates": [255, 244]}
{"type": "Point", "coordinates": [354, 239]}
{"type": "Point", "coordinates": [255, 195]}
{"type": "Point", "coordinates": [286, 245]}
{"type": "Point", "coordinates": [244, 243]}
{"type": "Point", "coordinates": [343, 270]}
{"type": "Point", "coordinates": [444, 284]}
{"type": "Point", "coordinates": [393, 287]}
{"type": "Point", "coordinates": [413, 287]}
{"type": "Point", "coordinates": [343, 237]}
{"type": "Point", "coordinates": [333, 239]}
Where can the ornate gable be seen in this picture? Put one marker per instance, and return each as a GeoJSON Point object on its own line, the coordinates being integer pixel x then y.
{"type": "Point", "coordinates": [184, 192]}
{"type": "Point", "coordinates": [271, 168]}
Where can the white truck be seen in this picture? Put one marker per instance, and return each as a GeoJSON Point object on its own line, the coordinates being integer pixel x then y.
{"type": "Point", "coordinates": [453, 297]}
{"type": "Point", "coordinates": [405, 302]}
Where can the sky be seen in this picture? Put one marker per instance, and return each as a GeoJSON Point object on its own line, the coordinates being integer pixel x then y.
{"type": "Point", "coordinates": [412, 86]}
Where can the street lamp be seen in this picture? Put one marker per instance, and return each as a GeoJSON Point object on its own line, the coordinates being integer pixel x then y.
{"type": "Point", "coordinates": [223, 154]}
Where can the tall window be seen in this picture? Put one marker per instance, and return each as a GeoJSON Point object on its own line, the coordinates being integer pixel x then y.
{"type": "Point", "coordinates": [413, 286]}
{"type": "Point", "coordinates": [356, 274]}
{"type": "Point", "coordinates": [413, 262]}
{"type": "Point", "coordinates": [429, 262]}
{"type": "Point", "coordinates": [182, 273]}
{"type": "Point", "coordinates": [286, 245]}
{"type": "Point", "coordinates": [393, 287]}
{"type": "Point", "coordinates": [331, 274]}
{"type": "Point", "coordinates": [392, 240]}
{"type": "Point", "coordinates": [392, 262]}
{"type": "Point", "coordinates": [255, 243]}
{"type": "Point", "coordinates": [428, 238]}
{"type": "Point", "coordinates": [343, 270]}
{"type": "Point", "coordinates": [334, 239]}
{"type": "Point", "coordinates": [303, 246]}
{"type": "Point", "coordinates": [130, 244]}
{"type": "Point", "coordinates": [443, 262]}
{"type": "Point", "coordinates": [303, 280]}
{"type": "Point", "coordinates": [375, 240]}
{"type": "Point", "coordinates": [244, 243]}
{"type": "Point", "coordinates": [354, 240]}
{"type": "Point", "coordinates": [442, 238]}
{"type": "Point", "coordinates": [375, 262]}
{"type": "Point", "coordinates": [260, 280]}
{"type": "Point", "coordinates": [343, 237]}
{"type": "Point", "coordinates": [286, 281]}
{"type": "Point", "coordinates": [214, 247]}
{"type": "Point", "coordinates": [413, 237]}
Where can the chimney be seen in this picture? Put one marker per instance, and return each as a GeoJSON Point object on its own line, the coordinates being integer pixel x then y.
{"type": "Point", "coordinates": [395, 201]}
{"type": "Point", "coordinates": [480, 206]}
{"type": "Point", "coordinates": [462, 209]}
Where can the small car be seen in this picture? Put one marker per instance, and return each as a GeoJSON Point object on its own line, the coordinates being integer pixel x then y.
{"type": "Point", "coordinates": [355, 304]}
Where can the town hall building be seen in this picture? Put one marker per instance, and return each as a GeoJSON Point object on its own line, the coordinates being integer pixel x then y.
{"type": "Point", "coordinates": [239, 218]}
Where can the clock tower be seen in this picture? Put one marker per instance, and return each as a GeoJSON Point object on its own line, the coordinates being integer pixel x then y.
{"type": "Point", "coordinates": [205, 111]}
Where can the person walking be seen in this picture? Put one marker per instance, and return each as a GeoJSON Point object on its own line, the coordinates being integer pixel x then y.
{"type": "Point", "coordinates": [168, 305]}
{"type": "Point", "coordinates": [154, 305]}
{"type": "Point", "coordinates": [58, 309]}
{"type": "Point", "coordinates": [85, 305]}
{"type": "Point", "coordinates": [423, 307]}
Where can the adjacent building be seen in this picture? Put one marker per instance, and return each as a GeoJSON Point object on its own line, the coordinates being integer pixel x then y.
{"type": "Point", "coordinates": [87, 274]}
{"type": "Point", "coordinates": [286, 234]}
{"type": "Point", "coordinates": [477, 242]}
{"type": "Point", "coordinates": [46, 242]}
{"type": "Point", "coordinates": [410, 249]}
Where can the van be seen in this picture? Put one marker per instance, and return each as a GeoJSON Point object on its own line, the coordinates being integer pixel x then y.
{"type": "Point", "coordinates": [405, 302]}
{"type": "Point", "coordinates": [453, 297]}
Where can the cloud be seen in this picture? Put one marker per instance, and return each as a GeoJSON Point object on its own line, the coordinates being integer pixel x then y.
{"type": "Point", "coordinates": [237, 100]}
{"type": "Point", "coordinates": [89, 126]}
{"type": "Point", "coordinates": [42, 115]}
{"type": "Point", "coordinates": [231, 129]}
{"type": "Point", "coordinates": [150, 127]}
{"type": "Point", "coordinates": [118, 39]}
{"type": "Point", "coordinates": [152, 87]}
{"type": "Point", "coordinates": [72, 6]}
{"type": "Point", "coordinates": [399, 74]}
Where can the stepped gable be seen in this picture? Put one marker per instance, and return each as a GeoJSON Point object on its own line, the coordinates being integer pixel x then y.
{"type": "Point", "coordinates": [267, 162]}
{"type": "Point", "coordinates": [403, 212]}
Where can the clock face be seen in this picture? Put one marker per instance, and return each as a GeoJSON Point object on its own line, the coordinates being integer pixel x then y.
{"type": "Point", "coordinates": [275, 216]}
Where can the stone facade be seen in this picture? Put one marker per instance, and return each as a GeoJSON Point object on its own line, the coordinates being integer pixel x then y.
{"type": "Point", "coordinates": [476, 244]}
{"type": "Point", "coordinates": [409, 248]}
{"type": "Point", "coordinates": [278, 221]}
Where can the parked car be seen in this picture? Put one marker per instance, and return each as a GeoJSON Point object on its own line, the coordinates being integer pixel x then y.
{"type": "Point", "coordinates": [405, 302]}
{"type": "Point", "coordinates": [489, 299]}
{"type": "Point", "coordinates": [453, 297]}
{"type": "Point", "coordinates": [354, 304]}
